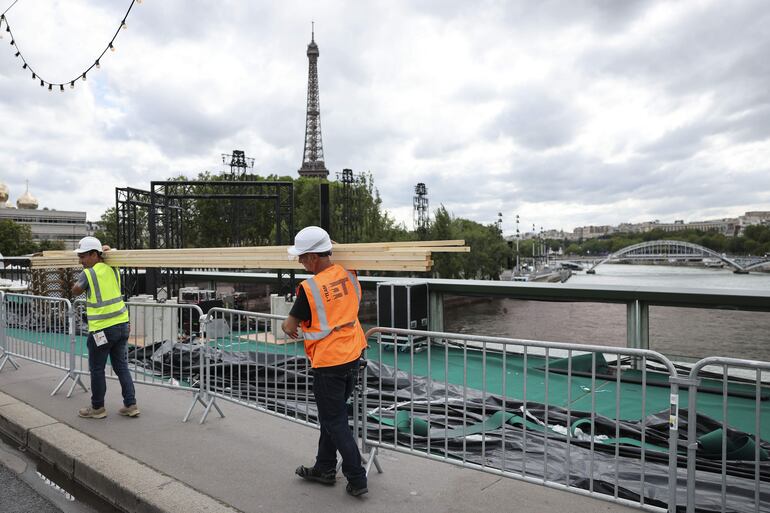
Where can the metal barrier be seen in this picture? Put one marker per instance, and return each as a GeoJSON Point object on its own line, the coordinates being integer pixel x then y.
{"type": "Point", "coordinates": [550, 413]}
{"type": "Point", "coordinates": [164, 346]}
{"type": "Point", "coordinates": [4, 356]}
{"type": "Point", "coordinates": [741, 452]}
{"type": "Point", "coordinates": [526, 398]}
{"type": "Point", "coordinates": [37, 328]}
{"type": "Point", "coordinates": [257, 366]}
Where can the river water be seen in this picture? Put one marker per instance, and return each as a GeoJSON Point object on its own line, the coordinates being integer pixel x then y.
{"type": "Point", "coordinates": [679, 332]}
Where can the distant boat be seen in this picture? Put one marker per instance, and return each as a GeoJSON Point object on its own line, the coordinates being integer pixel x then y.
{"type": "Point", "coordinates": [713, 262]}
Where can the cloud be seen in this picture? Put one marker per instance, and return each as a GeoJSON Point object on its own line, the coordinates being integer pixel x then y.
{"type": "Point", "coordinates": [584, 112]}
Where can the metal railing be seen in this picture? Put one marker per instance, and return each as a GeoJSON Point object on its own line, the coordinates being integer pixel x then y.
{"type": "Point", "coordinates": [749, 449]}
{"type": "Point", "coordinates": [508, 410]}
{"type": "Point", "coordinates": [257, 366]}
{"type": "Point", "coordinates": [35, 328]}
{"type": "Point", "coordinates": [595, 420]}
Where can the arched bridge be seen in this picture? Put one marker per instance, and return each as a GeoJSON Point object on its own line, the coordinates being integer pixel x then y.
{"type": "Point", "coordinates": [757, 264]}
{"type": "Point", "coordinates": [669, 250]}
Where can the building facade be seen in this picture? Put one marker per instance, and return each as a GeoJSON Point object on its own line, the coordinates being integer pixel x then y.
{"type": "Point", "coordinates": [46, 225]}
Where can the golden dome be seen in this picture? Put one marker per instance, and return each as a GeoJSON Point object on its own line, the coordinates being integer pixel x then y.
{"type": "Point", "coordinates": [27, 201]}
{"type": "Point", "coordinates": [3, 194]}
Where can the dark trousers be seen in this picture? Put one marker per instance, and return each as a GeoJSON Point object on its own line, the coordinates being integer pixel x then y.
{"type": "Point", "coordinates": [332, 387]}
{"type": "Point", "coordinates": [117, 350]}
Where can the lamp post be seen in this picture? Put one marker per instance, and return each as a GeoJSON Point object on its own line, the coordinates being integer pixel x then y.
{"type": "Point", "coordinates": [518, 235]}
{"type": "Point", "coordinates": [534, 243]}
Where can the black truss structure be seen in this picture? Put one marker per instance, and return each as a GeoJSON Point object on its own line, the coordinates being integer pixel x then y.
{"type": "Point", "coordinates": [420, 202]}
{"type": "Point", "coordinates": [281, 194]}
{"type": "Point", "coordinates": [134, 208]}
{"type": "Point", "coordinates": [351, 219]}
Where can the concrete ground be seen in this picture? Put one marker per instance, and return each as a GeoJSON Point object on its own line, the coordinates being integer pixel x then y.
{"type": "Point", "coordinates": [245, 460]}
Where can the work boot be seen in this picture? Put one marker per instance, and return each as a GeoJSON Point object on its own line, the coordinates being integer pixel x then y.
{"type": "Point", "coordinates": [92, 413]}
{"type": "Point", "coordinates": [356, 491]}
{"type": "Point", "coordinates": [328, 477]}
{"type": "Point", "coordinates": [129, 411]}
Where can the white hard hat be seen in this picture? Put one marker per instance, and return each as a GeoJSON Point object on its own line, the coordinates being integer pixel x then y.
{"type": "Point", "coordinates": [87, 244]}
{"type": "Point", "coordinates": [312, 239]}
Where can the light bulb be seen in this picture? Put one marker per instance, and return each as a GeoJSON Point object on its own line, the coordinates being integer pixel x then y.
{"type": "Point", "coordinates": [50, 87]}
{"type": "Point", "coordinates": [24, 66]}
{"type": "Point", "coordinates": [98, 66]}
{"type": "Point", "coordinates": [139, 1]}
{"type": "Point", "coordinates": [42, 83]}
{"type": "Point", "coordinates": [112, 47]}
{"type": "Point", "coordinates": [61, 88]}
{"type": "Point", "coordinates": [72, 85]}
{"type": "Point", "coordinates": [84, 77]}
{"type": "Point", "coordinates": [123, 25]}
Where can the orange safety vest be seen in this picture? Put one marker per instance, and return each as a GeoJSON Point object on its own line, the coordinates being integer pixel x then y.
{"type": "Point", "coordinates": [333, 336]}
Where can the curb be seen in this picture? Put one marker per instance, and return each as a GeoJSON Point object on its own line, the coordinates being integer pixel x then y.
{"type": "Point", "coordinates": [124, 482]}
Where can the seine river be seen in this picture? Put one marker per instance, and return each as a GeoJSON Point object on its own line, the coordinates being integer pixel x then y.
{"type": "Point", "coordinates": [679, 332]}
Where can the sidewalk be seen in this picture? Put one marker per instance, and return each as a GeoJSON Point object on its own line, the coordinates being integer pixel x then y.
{"type": "Point", "coordinates": [244, 461]}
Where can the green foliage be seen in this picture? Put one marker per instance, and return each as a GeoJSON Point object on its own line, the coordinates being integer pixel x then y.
{"type": "Point", "coordinates": [50, 245]}
{"type": "Point", "coordinates": [489, 251]}
{"type": "Point", "coordinates": [108, 226]}
{"type": "Point", "coordinates": [15, 239]}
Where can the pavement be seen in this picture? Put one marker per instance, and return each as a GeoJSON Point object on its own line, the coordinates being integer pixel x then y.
{"type": "Point", "coordinates": [243, 462]}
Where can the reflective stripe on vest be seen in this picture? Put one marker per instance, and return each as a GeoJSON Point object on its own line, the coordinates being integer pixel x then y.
{"type": "Point", "coordinates": [355, 285]}
{"type": "Point", "coordinates": [104, 304]}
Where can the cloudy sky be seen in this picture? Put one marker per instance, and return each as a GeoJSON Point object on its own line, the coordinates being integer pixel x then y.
{"type": "Point", "coordinates": [565, 112]}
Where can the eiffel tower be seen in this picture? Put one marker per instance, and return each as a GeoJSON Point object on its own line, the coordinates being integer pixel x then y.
{"type": "Point", "coordinates": [313, 156]}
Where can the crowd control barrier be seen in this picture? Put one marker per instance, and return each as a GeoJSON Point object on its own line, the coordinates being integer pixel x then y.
{"type": "Point", "coordinates": [556, 414]}
{"type": "Point", "coordinates": [594, 420]}
{"type": "Point", "coordinates": [256, 365]}
{"type": "Point", "coordinates": [165, 348]}
{"type": "Point", "coordinates": [37, 329]}
{"type": "Point", "coordinates": [732, 449]}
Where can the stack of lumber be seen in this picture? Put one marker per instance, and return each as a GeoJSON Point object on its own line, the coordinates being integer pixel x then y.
{"type": "Point", "coordinates": [373, 256]}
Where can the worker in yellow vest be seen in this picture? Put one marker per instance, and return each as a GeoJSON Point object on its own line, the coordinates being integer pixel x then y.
{"type": "Point", "coordinates": [108, 328]}
{"type": "Point", "coordinates": [326, 307]}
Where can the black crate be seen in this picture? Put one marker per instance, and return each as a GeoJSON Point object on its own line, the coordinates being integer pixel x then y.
{"type": "Point", "coordinates": [403, 304]}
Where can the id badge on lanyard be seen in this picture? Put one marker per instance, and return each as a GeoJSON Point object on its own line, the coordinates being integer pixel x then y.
{"type": "Point", "coordinates": [100, 338]}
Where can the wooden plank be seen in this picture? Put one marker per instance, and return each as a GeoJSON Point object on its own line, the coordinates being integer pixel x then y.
{"type": "Point", "coordinates": [391, 256]}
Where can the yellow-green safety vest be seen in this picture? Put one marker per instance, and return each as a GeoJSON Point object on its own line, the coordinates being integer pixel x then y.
{"type": "Point", "coordinates": [104, 304]}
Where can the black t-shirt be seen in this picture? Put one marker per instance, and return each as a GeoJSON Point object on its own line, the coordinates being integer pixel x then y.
{"type": "Point", "coordinates": [301, 308]}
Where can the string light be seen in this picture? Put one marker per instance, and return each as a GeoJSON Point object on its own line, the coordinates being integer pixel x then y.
{"type": "Point", "coordinates": [97, 64]}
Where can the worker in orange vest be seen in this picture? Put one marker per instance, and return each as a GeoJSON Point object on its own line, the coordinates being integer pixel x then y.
{"type": "Point", "coordinates": [326, 307]}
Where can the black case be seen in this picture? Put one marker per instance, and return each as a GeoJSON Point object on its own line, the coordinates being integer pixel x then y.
{"type": "Point", "coordinates": [402, 304]}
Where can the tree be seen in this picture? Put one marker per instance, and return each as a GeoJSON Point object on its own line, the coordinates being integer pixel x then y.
{"type": "Point", "coordinates": [50, 245]}
{"type": "Point", "coordinates": [108, 226]}
{"type": "Point", "coordinates": [15, 238]}
{"type": "Point", "coordinates": [489, 251]}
